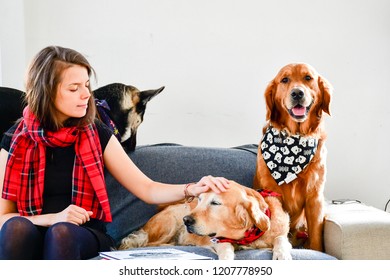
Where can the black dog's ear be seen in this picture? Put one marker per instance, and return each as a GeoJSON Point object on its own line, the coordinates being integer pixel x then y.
{"type": "Point", "coordinates": [147, 95]}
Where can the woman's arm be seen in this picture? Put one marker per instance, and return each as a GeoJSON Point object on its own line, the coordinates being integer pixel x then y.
{"type": "Point", "coordinates": [134, 180]}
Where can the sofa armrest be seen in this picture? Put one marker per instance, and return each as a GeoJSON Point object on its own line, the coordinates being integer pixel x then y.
{"type": "Point", "coordinates": [357, 231]}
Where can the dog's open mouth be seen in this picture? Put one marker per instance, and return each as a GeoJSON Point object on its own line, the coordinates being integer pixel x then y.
{"type": "Point", "coordinates": [299, 112]}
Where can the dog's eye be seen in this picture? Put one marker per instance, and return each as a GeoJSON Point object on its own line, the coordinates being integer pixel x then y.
{"type": "Point", "coordinates": [285, 80]}
{"type": "Point", "coordinates": [308, 78]}
{"type": "Point", "coordinates": [215, 202]}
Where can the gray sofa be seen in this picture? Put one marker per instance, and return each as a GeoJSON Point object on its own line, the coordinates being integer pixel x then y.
{"type": "Point", "coordinates": [172, 163]}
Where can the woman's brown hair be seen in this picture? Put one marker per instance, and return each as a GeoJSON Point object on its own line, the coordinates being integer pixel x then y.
{"type": "Point", "coordinates": [43, 78]}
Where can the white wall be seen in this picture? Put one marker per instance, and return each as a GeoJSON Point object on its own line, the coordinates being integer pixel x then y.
{"type": "Point", "coordinates": [12, 43]}
{"type": "Point", "coordinates": [215, 58]}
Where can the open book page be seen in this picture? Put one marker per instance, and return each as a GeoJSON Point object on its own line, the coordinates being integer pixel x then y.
{"type": "Point", "coordinates": [160, 253]}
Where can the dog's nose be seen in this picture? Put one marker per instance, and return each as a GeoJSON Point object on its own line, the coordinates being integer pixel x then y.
{"type": "Point", "coordinates": [297, 93]}
{"type": "Point", "coordinates": [188, 220]}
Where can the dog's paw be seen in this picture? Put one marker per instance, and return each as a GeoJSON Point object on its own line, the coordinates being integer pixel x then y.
{"type": "Point", "coordinates": [228, 256]}
{"type": "Point", "coordinates": [134, 240]}
{"type": "Point", "coordinates": [225, 250]}
{"type": "Point", "coordinates": [281, 255]}
{"type": "Point", "coordinates": [282, 249]}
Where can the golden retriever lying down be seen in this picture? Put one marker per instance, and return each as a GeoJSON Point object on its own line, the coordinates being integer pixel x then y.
{"type": "Point", "coordinates": [240, 218]}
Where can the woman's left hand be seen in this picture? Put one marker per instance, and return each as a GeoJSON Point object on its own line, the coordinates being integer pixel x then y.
{"type": "Point", "coordinates": [216, 184]}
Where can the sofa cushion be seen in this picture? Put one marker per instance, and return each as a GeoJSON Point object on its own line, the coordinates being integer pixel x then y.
{"type": "Point", "coordinates": [176, 164]}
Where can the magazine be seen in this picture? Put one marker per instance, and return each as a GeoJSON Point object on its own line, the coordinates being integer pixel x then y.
{"type": "Point", "coordinates": [144, 254]}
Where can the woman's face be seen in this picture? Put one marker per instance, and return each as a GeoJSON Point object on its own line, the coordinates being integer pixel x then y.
{"type": "Point", "coordinates": [72, 96]}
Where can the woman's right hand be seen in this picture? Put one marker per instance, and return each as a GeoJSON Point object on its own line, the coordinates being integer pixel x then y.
{"type": "Point", "coordinates": [73, 214]}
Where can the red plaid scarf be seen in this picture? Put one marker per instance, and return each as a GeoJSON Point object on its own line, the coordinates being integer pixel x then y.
{"type": "Point", "coordinates": [25, 170]}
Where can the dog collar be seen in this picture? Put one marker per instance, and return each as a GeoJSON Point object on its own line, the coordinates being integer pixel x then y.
{"type": "Point", "coordinates": [286, 156]}
{"type": "Point", "coordinates": [265, 193]}
{"type": "Point", "coordinates": [252, 234]}
{"type": "Point", "coordinates": [102, 108]}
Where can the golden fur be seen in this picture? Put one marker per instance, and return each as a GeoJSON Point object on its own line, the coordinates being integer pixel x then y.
{"type": "Point", "coordinates": [302, 198]}
{"type": "Point", "coordinates": [228, 214]}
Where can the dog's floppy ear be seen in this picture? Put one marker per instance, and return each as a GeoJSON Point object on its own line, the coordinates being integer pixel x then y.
{"type": "Point", "coordinates": [147, 95]}
{"type": "Point", "coordinates": [256, 208]}
{"type": "Point", "coordinates": [269, 99]}
{"type": "Point", "coordinates": [242, 215]}
{"type": "Point", "coordinates": [326, 91]}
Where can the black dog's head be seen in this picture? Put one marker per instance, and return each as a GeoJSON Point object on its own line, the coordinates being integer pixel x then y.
{"type": "Point", "coordinates": [127, 108]}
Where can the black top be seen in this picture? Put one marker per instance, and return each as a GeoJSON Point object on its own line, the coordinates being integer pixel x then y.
{"type": "Point", "coordinates": [57, 193]}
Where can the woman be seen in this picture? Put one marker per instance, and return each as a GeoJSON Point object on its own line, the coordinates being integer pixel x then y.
{"type": "Point", "coordinates": [54, 203]}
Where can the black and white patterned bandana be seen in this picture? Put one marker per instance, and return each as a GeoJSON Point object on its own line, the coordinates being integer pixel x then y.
{"type": "Point", "coordinates": [286, 156]}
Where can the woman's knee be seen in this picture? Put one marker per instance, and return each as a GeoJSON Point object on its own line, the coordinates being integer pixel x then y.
{"type": "Point", "coordinates": [61, 231]}
{"type": "Point", "coordinates": [20, 239]}
{"type": "Point", "coordinates": [18, 224]}
{"type": "Point", "coordinates": [69, 241]}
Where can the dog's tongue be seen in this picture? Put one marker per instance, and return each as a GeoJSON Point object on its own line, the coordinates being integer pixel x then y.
{"type": "Point", "coordinates": [299, 111]}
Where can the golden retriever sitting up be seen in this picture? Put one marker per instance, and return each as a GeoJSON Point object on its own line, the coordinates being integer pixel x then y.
{"type": "Point", "coordinates": [292, 155]}
{"type": "Point", "coordinates": [239, 218]}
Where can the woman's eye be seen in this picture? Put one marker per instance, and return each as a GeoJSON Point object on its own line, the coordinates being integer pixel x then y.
{"type": "Point", "coordinates": [285, 80]}
{"type": "Point", "coordinates": [308, 78]}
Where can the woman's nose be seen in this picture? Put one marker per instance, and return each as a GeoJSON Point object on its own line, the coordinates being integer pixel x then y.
{"type": "Point", "coordinates": [85, 93]}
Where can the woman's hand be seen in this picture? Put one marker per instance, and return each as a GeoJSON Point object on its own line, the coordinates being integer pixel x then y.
{"type": "Point", "coordinates": [73, 214]}
{"type": "Point", "coordinates": [216, 184]}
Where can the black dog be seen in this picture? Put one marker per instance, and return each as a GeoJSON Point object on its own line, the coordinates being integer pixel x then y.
{"type": "Point", "coordinates": [125, 110]}
{"type": "Point", "coordinates": [121, 107]}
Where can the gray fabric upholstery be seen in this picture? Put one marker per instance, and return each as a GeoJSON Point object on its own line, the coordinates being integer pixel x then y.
{"type": "Point", "coordinates": [172, 163]}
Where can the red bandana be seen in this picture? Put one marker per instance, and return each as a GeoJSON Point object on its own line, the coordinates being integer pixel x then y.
{"type": "Point", "coordinates": [252, 234]}
{"type": "Point", "coordinates": [25, 170]}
